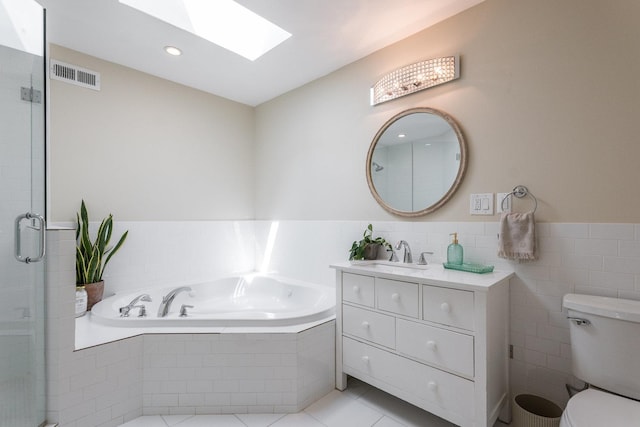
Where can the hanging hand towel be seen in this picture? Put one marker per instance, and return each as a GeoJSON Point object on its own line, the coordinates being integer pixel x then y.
{"type": "Point", "coordinates": [517, 239]}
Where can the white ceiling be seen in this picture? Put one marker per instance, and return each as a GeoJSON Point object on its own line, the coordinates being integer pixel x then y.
{"type": "Point", "coordinates": [327, 34]}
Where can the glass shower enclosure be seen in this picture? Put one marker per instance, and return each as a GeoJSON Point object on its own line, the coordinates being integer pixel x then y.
{"type": "Point", "coordinates": [22, 207]}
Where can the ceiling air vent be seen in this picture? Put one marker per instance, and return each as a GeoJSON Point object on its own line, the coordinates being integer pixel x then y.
{"type": "Point", "coordinates": [75, 75]}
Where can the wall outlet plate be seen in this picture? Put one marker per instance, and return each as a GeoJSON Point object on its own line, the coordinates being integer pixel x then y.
{"type": "Point", "coordinates": [481, 204]}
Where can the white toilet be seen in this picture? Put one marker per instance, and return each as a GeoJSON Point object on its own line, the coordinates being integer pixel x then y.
{"type": "Point", "coordinates": [605, 352]}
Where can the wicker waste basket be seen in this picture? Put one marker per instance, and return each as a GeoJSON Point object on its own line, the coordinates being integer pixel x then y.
{"type": "Point", "coordinates": [535, 411]}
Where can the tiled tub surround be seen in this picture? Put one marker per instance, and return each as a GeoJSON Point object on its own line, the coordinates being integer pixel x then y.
{"type": "Point", "coordinates": [161, 254]}
{"type": "Point", "coordinates": [99, 386]}
{"type": "Point", "coordinates": [237, 372]}
{"type": "Point", "coordinates": [218, 370]}
{"type": "Point", "coordinates": [601, 259]}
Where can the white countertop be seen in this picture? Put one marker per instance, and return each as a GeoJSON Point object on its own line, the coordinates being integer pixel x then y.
{"type": "Point", "coordinates": [434, 274]}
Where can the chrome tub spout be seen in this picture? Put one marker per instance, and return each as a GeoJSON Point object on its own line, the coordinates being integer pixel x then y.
{"type": "Point", "coordinates": [165, 305]}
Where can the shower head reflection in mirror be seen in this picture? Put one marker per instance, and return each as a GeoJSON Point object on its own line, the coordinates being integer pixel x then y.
{"type": "Point", "coordinates": [424, 156]}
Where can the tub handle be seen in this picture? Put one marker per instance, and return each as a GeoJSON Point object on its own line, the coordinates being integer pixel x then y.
{"type": "Point", "coordinates": [183, 310]}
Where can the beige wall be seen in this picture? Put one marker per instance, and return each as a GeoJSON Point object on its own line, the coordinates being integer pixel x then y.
{"type": "Point", "coordinates": [548, 98]}
{"type": "Point", "coordinates": [147, 149]}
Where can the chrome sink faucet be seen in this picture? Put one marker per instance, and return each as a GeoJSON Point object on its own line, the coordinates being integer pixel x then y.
{"type": "Point", "coordinates": [407, 258]}
{"type": "Point", "coordinates": [168, 299]}
{"type": "Point", "coordinates": [124, 311]}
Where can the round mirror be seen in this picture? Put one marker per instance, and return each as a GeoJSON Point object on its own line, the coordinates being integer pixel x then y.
{"type": "Point", "coordinates": [416, 162]}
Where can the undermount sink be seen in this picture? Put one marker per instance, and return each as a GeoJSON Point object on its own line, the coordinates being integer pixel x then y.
{"type": "Point", "coordinates": [382, 263]}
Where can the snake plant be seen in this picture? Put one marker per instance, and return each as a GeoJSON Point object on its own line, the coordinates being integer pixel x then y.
{"type": "Point", "coordinates": [92, 257]}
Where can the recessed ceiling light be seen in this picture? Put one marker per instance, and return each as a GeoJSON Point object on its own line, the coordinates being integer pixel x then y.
{"type": "Point", "coordinates": [401, 135]}
{"type": "Point", "coordinates": [172, 50]}
{"type": "Point", "coordinates": [223, 22]}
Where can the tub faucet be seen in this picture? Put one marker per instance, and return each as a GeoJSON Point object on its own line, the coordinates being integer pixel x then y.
{"type": "Point", "coordinates": [407, 251]}
{"type": "Point", "coordinates": [168, 299]}
{"type": "Point", "coordinates": [124, 311]}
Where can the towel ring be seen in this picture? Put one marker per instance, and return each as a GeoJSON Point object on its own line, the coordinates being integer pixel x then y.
{"type": "Point", "coordinates": [520, 191]}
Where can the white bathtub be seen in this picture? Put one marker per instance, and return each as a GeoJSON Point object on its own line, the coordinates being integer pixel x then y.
{"type": "Point", "coordinates": [248, 300]}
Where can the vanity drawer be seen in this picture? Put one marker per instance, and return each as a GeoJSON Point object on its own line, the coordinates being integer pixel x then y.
{"type": "Point", "coordinates": [369, 325]}
{"type": "Point", "coordinates": [358, 289]}
{"type": "Point", "coordinates": [448, 306]}
{"type": "Point", "coordinates": [451, 394]}
{"type": "Point", "coordinates": [438, 347]}
{"type": "Point", "coordinates": [397, 297]}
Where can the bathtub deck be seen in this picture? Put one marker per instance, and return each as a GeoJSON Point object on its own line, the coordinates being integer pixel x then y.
{"type": "Point", "coordinates": [90, 334]}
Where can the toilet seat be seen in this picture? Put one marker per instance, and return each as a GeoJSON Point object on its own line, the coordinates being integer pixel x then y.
{"type": "Point", "coordinates": [595, 408]}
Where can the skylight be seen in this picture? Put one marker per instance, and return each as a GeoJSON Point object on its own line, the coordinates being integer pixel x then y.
{"type": "Point", "coordinates": [21, 25]}
{"type": "Point", "coordinates": [223, 22]}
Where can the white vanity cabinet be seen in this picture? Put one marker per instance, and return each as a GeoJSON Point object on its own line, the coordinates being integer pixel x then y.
{"type": "Point", "coordinates": [436, 338]}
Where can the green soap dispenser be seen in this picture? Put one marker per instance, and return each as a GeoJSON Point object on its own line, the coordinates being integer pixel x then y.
{"type": "Point", "coordinates": [454, 251]}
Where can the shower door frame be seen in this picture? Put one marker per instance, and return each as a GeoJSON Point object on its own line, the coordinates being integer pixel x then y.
{"type": "Point", "coordinates": [22, 230]}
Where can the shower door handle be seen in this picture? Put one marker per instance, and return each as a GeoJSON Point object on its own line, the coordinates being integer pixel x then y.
{"type": "Point", "coordinates": [40, 227]}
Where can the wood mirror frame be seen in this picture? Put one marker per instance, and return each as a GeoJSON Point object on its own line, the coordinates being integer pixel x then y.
{"type": "Point", "coordinates": [446, 194]}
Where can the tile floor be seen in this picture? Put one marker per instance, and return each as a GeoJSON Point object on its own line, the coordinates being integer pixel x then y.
{"type": "Point", "coordinates": [360, 405]}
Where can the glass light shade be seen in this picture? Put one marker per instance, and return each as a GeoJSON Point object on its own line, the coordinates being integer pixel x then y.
{"type": "Point", "coordinates": [415, 77]}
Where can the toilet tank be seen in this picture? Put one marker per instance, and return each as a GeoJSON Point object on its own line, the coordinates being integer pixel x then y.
{"type": "Point", "coordinates": [605, 342]}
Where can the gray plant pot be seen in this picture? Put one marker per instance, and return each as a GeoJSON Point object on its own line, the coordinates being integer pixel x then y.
{"type": "Point", "coordinates": [371, 251]}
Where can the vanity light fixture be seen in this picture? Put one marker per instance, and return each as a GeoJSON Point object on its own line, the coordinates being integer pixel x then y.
{"type": "Point", "coordinates": [172, 50]}
{"type": "Point", "coordinates": [415, 77]}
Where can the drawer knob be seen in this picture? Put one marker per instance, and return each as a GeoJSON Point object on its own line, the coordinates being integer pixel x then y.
{"type": "Point", "coordinates": [356, 289]}
{"type": "Point", "coordinates": [445, 307]}
{"type": "Point", "coordinates": [365, 324]}
{"type": "Point", "coordinates": [395, 296]}
{"type": "Point", "coordinates": [365, 360]}
{"type": "Point", "coordinates": [431, 345]}
{"type": "Point", "coordinates": [432, 385]}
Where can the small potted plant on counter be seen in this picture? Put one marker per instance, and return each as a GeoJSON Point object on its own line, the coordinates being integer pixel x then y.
{"type": "Point", "coordinates": [367, 247]}
{"type": "Point", "coordinates": [92, 257]}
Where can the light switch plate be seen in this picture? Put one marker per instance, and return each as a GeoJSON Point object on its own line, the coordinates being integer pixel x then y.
{"type": "Point", "coordinates": [481, 204]}
{"type": "Point", "coordinates": [502, 201]}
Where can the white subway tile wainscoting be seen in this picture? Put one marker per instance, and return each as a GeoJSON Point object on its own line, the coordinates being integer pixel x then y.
{"type": "Point", "coordinates": [236, 373]}
{"type": "Point", "coordinates": [597, 259]}
{"type": "Point", "coordinates": [103, 385]}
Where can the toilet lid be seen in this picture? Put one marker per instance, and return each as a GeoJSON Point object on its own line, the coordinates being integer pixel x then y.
{"type": "Point", "coordinates": [594, 408]}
